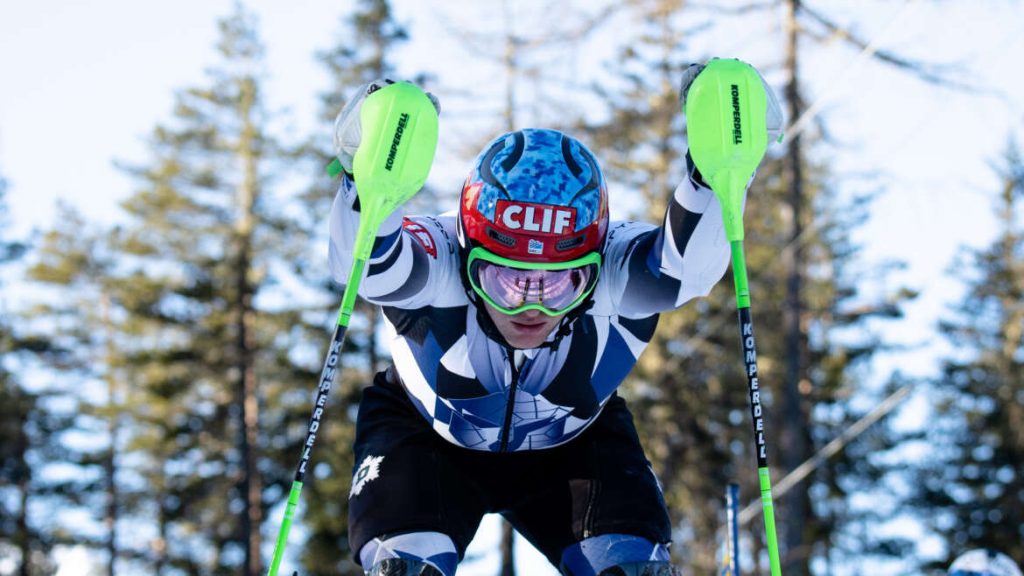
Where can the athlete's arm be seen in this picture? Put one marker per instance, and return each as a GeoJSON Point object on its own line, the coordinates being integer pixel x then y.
{"type": "Point", "coordinates": [410, 265]}
{"type": "Point", "coordinates": [660, 269]}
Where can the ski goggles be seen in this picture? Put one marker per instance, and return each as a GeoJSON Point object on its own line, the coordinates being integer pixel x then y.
{"type": "Point", "coordinates": [511, 286]}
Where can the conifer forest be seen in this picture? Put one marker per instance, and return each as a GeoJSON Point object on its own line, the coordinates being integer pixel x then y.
{"type": "Point", "coordinates": [159, 362]}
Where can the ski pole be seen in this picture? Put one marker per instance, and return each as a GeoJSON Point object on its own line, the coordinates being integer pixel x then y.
{"type": "Point", "coordinates": [726, 108]}
{"type": "Point", "coordinates": [399, 137]}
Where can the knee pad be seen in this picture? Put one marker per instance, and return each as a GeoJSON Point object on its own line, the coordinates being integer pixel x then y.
{"type": "Point", "coordinates": [615, 555]}
{"type": "Point", "coordinates": [413, 554]}
{"type": "Point", "coordinates": [403, 567]}
{"type": "Point", "coordinates": [656, 568]}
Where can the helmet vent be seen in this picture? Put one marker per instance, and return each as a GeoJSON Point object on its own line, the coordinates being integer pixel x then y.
{"type": "Point", "coordinates": [575, 168]}
{"type": "Point", "coordinates": [486, 173]}
{"type": "Point", "coordinates": [518, 147]}
{"type": "Point", "coordinates": [501, 238]}
{"type": "Point", "coordinates": [570, 243]}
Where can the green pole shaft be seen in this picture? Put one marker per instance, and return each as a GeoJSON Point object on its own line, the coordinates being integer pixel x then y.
{"type": "Point", "coordinates": [399, 138]}
{"type": "Point", "coordinates": [348, 300]}
{"type": "Point", "coordinates": [286, 526]}
{"type": "Point", "coordinates": [739, 271]}
{"type": "Point", "coordinates": [739, 274]}
{"type": "Point", "coordinates": [768, 506]}
{"type": "Point", "coordinates": [332, 365]}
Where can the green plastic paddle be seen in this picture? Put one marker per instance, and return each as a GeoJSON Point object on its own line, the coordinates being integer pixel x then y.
{"type": "Point", "coordinates": [726, 108]}
{"type": "Point", "coordinates": [399, 138]}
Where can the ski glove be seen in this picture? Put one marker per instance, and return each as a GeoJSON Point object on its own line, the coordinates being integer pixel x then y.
{"type": "Point", "coordinates": [347, 130]}
{"type": "Point", "coordinates": [773, 120]}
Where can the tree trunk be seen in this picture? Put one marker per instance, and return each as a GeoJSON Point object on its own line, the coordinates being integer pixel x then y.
{"type": "Point", "coordinates": [252, 485]}
{"type": "Point", "coordinates": [21, 533]}
{"type": "Point", "coordinates": [251, 482]}
{"type": "Point", "coordinates": [110, 468]}
{"type": "Point", "coordinates": [159, 545]}
{"type": "Point", "coordinates": [511, 68]}
{"type": "Point", "coordinates": [113, 424]}
{"type": "Point", "coordinates": [794, 428]}
{"type": "Point", "coordinates": [508, 564]}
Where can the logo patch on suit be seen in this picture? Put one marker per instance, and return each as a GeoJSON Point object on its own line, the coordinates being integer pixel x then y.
{"type": "Point", "coordinates": [368, 470]}
{"type": "Point", "coordinates": [417, 231]}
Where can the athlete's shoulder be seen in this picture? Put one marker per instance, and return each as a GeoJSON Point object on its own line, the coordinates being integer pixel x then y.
{"type": "Point", "coordinates": [622, 235]}
{"type": "Point", "coordinates": [436, 234]}
{"type": "Point", "coordinates": [622, 239]}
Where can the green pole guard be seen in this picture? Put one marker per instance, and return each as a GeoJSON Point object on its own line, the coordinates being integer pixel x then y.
{"type": "Point", "coordinates": [726, 108]}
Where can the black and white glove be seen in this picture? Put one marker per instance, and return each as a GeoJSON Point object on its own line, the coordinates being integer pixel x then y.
{"type": "Point", "coordinates": [773, 115]}
{"type": "Point", "coordinates": [347, 129]}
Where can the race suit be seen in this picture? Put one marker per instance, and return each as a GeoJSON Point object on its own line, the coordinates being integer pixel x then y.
{"type": "Point", "coordinates": [478, 393]}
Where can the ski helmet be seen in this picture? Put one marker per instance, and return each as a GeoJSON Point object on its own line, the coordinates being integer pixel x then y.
{"type": "Point", "coordinates": [535, 196]}
{"type": "Point", "coordinates": [984, 562]}
{"type": "Point", "coordinates": [532, 222]}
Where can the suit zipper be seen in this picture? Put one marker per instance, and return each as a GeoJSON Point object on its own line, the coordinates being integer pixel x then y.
{"type": "Point", "coordinates": [506, 429]}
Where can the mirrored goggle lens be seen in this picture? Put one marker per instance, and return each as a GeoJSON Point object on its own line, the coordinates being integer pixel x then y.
{"type": "Point", "coordinates": [515, 287]}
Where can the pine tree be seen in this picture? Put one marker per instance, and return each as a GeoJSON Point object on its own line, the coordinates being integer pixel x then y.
{"type": "Point", "coordinates": [676, 391]}
{"type": "Point", "coordinates": [689, 391]}
{"type": "Point", "coordinates": [26, 434]}
{"type": "Point", "coordinates": [813, 384]}
{"type": "Point", "coordinates": [367, 37]}
{"type": "Point", "coordinates": [29, 546]}
{"type": "Point", "coordinates": [970, 488]}
{"type": "Point", "coordinates": [73, 259]}
{"type": "Point", "coordinates": [221, 324]}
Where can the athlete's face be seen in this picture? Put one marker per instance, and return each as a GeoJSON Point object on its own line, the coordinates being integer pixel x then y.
{"type": "Point", "coordinates": [528, 329]}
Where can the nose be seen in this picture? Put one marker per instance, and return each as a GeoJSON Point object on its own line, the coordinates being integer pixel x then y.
{"type": "Point", "coordinates": [531, 314]}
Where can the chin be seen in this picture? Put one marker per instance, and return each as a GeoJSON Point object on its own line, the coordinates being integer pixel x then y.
{"type": "Point", "coordinates": [526, 344]}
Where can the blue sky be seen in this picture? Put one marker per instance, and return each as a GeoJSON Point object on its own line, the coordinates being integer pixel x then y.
{"type": "Point", "coordinates": [84, 83]}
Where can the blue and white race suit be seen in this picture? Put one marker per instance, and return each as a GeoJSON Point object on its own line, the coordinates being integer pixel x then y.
{"type": "Point", "coordinates": [478, 393]}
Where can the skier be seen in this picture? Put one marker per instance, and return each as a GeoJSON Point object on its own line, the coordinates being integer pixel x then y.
{"type": "Point", "coordinates": [984, 562]}
{"type": "Point", "coordinates": [513, 321]}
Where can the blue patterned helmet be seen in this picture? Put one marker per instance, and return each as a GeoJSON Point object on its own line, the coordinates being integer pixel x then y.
{"type": "Point", "coordinates": [535, 196]}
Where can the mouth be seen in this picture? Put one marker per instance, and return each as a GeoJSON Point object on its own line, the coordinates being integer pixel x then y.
{"type": "Point", "coordinates": [529, 327]}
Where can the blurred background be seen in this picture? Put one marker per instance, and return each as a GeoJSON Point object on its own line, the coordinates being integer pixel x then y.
{"type": "Point", "coordinates": [166, 305]}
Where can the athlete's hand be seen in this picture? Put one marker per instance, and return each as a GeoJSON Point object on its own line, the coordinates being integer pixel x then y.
{"type": "Point", "coordinates": [773, 119]}
{"type": "Point", "coordinates": [347, 130]}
